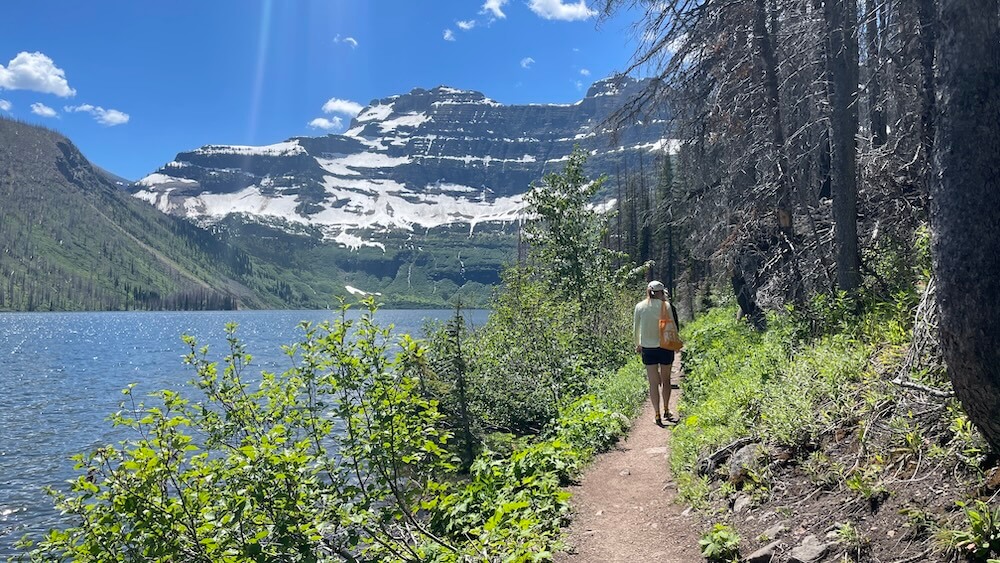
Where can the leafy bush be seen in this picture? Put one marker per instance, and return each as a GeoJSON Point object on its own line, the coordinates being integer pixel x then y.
{"type": "Point", "coordinates": [513, 505]}
{"type": "Point", "coordinates": [622, 391]}
{"type": "Point", "coordinates": [334, 456]}
{"type": "Point", "coordinates": [720, 544]}
{"type": "Point", "coordinates": [981, 539]}
{"type": "Point", "coordinates": [526, 360]}
{"type": "Point", "coordinates": [589, 425]}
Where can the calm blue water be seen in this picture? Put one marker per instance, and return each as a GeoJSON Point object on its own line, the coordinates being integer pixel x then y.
{"type": "Point", "coordinates": [61, 374]}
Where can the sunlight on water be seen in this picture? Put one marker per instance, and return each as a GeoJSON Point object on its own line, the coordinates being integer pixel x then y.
{"type": "Point", "coordinates": [61, 374]}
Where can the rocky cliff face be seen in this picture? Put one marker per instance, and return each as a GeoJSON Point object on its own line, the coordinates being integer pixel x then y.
{"type": "Point", "coordinates": [429, 158]}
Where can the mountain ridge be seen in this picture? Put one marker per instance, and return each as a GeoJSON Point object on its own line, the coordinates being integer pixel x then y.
{"type": "Point", "coordinates": [424, 159]}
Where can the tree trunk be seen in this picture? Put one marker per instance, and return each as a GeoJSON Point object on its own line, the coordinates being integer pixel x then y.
{"type": "Point", "coordinates": [670, 261]}
{"type": "Point", "coordinates": [875, 112]}
{"type": "Point", "coordinates": [927, 22]}
{"type": "Point", "coordinates": [841, 20]}
{"type": "Point", "coordinates": [965, 206]}
{"type": "Point", "coordinates": [769, 67]}
{"type": "Point", "coordinates": [663, 205]}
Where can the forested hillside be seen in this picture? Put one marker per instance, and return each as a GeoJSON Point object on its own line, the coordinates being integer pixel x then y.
{"type": "Point", "coordinates": [73, 240]}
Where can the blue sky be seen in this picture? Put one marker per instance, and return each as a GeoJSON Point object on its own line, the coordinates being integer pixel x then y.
{"type": "Point", "coordinates": [133, 83]}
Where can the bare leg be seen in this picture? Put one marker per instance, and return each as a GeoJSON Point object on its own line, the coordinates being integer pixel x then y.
{"type": "Point", "coordinates": [664, 376]}
{"type": "Point", "coordinates": [653, 376]}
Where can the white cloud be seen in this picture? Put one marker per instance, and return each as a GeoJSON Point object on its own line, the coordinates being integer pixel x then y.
{"type": "Point", "coordinates": [327, 124]}
{"type": "Point", "coordinates": [346, 107]}
{"type": "Point", "coordinates": [579, 85]}
{"type": "Point", "coordinates": [35, 72]}
{"type": "Point", "coordinates": [466, 25]}
{"type": "Point", "coordinates": [106, 117]}
{"type": "Point", "coordinates": [494, 7]}
{"type": "Point", "coordinates": [449, 35]}
{"type": "Point", "coordinates": [43, 110]}
{"type": "Point", "coordinates": [558, 10]}
{"type": "Point", "coordinates": [526, 62]}
{"type": "Point", "coordinates": [5, 105]}
{"type": "Point", "coordinates": [349, 40]}
{"type": "Point", "coordinates": [584, 72]}
{"type": "Point", "coordinates": [111, 117]}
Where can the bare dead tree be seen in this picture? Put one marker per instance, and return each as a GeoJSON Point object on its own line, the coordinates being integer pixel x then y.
{"type": "Point", "coordinates": [794, 181]}
{"type": "Point", "coordinates": [842, 56]}
{"type": "Point", "coordinates": [966, 206]}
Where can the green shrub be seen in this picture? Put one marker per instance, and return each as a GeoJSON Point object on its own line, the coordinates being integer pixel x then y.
{"type": "Point", "coordinates": [333, 456]}
{"type": "Point", "coordinates": [510, 507]}
{"type": "Point", "coordinates": [980, 540]}
{"type": "Point", "coordinates": [513, 504]}
{"type": "Point", "coordinates": [622, 391]}
{"type": "Point", "coordinates": [782, 386]}
{"type": "Point", "coordinates": [720, 544]}
{"type": "Point", "coordinates": [589, 425]}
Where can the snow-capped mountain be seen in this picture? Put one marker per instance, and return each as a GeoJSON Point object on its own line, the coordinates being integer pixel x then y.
{"type": "Point", "coordinates": [425, 159]}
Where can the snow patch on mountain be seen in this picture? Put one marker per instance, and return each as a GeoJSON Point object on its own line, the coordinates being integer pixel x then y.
{"type": "Point", "coordinates": [287, 148]}
{"type": "Point", "coordinates": [669, 146]}
{"type": "Point", "coordinates": [413, 120]}
{"type": "Point", "coordinates": [359, 292]}
{"type": "Point", "coordinates": [353, 242]}
{"type": "Point", "coordinates": [158, 199]}
{"type": "Point", "coordinates": [248, 201]}
{"type": "Point", "coordinates": [349, 165]}
{"type": "Point", "coordinates": [449, 90]}
{"type": "Point", "coordinates": [350, 206]}
{"type": "Point", "coordinates": [469, 159]}
{"type": "Point", "coordinates": [375, 112]}
{"type": "Point", "coordinates": [157, 179]}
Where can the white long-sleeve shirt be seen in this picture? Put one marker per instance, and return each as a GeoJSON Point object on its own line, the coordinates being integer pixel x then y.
{"type": "Point", "coordinates": [646, 322]}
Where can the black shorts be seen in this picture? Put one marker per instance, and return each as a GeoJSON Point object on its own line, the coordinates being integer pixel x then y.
{"type": "Point", "coordinates": [653, 356]}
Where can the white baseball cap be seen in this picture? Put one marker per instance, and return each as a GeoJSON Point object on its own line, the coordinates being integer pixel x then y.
{"type": "Point", "coordinates": [655, 286]}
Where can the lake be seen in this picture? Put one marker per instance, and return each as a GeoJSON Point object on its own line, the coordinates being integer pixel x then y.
{"type": "Point", "coordinates": [61, 374]}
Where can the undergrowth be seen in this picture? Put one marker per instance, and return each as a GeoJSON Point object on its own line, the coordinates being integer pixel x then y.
{"type": "Point", "coordinates": [514, 504]}
{"type": "Point", "coordinates": [837, 395]}
{"type": "Point", "coordinates": [770, 386]}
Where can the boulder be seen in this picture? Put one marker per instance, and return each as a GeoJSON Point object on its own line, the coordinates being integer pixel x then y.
{"type": "Point", "coordinates": [765, 554]}
{"type": "Point", "coordinates": [809, 551]}
{"type": "Point", "coordinates": [747, 458]}
{"type": "Point", "coordinates": [742, 504]}
{"type": "Point", "coordinates": [775, 531]}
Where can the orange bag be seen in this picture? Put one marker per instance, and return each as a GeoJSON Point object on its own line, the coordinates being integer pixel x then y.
{"type": "Point", "coordinates": [669, 338]}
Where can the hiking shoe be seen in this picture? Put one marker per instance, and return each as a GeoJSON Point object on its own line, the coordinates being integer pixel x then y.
{"type": "Point", "coordinates": [659, 421]}
{"type": "Point", "coordinates": [669, 417]}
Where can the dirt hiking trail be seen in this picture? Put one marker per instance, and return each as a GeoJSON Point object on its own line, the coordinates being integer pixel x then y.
{"type": "Point", "coordinates": [624, 507]}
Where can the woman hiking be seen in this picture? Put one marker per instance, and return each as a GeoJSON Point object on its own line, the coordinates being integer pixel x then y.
{"type": "Point", "coordinates": [648, 323]}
